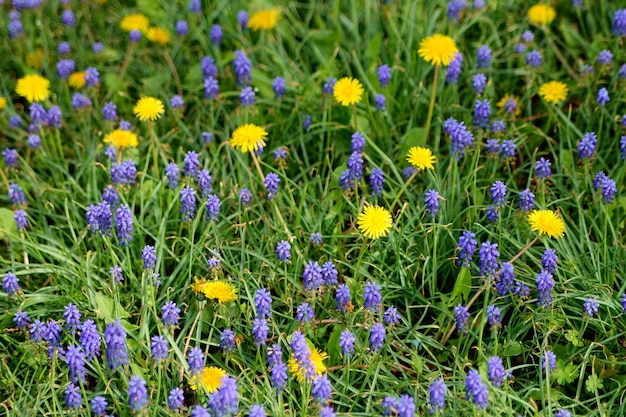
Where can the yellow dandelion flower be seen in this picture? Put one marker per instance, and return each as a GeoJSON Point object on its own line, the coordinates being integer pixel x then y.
{"type": "Point", "coordinates": [122, 139]}
{"type": "Point", "coordinates": [438, 49]}
{"type": "Point", "coordinates": [33, 87]}
{"type": "Point", "coordinates": [541, 14]}
{"type": "Point", "coordinates": [77, 79]}
{"type": "Point", "coordinates": [221, 291]}
{"type": "Point", "coordinates": [264, 19]}
{"type": "Point", "coordinates": [148, 108]}
{"type": "Point", "coordinates": [348, 91]}
{"type": "Point", "coordinates": [547, 222]}
{"type": "Point", "coordinates": [317, 359]}
{"type": "Point", "coordinates": [248, 138]}
{"type": "Point", "coordinates": [421, 158]}
{"type": "Point", "coordinates": [33, 59]}
{"type": "Point", "coordinates": [504, 100]}
{"type": "Point", "coordinates": [210, 379]}
{"type": "Point", "coordinates": [374, 222]}
{"type": "Point", "coordinates": [135, 22]}
{"type": "Point", "coordinates": [198, 285]}
{"type": "Point", "coordinates": [553, 91]}
{"type": "Point", "coordinates": [159, 35]}
{"type": "Point", "coordinates": [3, 103]}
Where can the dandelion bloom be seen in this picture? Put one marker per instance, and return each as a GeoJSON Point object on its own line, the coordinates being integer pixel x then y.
{"type": "Point", "coordinates": [264, 19]}
{"type": "Point", "coordinates": [438, 49]}
{"type": "Point", "coordinates": [3, 103]}
{"type": "Point", "coordinates": [541, 14]}
{"type": "Point", "coordinates": [135, 22]}
{"type": "Point", "coordinates": [121, 138]}
{"type": "Point", "coordinates": [148, 108]}
{"type": "Point", "coordinates": [421, 158]}
{"type": "Point", "coordinates": [159, 35]}
{"type": "Point", "coordinates": [374, 222]}
{"type": "Point", "coordinates": [348, 91]}
{"type": "Point", "coordinates": [248, 137]}
{"type": "Point", "coordinates": [221, 291]}
{"type": "Point", "coordinates": [317, 362]}
{"type": "Point", "coordinates": [546, 222]}
{"type": "Point", "coordinates": [33, 87]}
{"type": "Point", "coordinates": [553, 91]}
{"type": "Point", "coordinates": [77, 79]}
{"type": "Point", "coordinates": [210, 379]}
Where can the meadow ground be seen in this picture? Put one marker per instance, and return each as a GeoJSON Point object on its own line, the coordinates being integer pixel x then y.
{"type": "Point", "coordinates": [312, 208]}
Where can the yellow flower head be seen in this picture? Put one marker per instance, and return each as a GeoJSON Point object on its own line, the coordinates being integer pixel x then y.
{"type": "Point", "coordinates": [265, 19]}
{"type": "Point", "coordinates": [553, 91]}
{"type": "Point", "coordinates": [122, 139]}
{"type": "Point", "coordinates": [541, 14]}
{"type": "Point", "coordinates": [421, 158]}
{"type": "Point", "coordinates": [248, 138]}
{"type": "Point", "coordinates": [546, 222]}
{"type": "Point", "coordinates": [210, 379]}
{"type": "Point", "coordinates": [438, 49]}
{"type": "Point", "coordinates": [33, 59]}
{"type": "Point", "coordinates": [317, 359]}
{"type": "Point", "coordinates": [221, 291]}
{"type": "Point", "coordinates": [504, 100]}
{"type": "Point", "coordinates": [374, 222]}
{"type": "Point", "coordinates": [348, 91]}
{"type": "Point", "coordinates": [135, 22]}
{"type": "Point", "coordinates": [159, 35]}
{"type": "Point", "coordinates": [3, 103]}
{"type": "Point", "coordinates": [148, 108]}
{"type": "Point", "coordinates": [33, 87]}
{"type": "Point", "coordinates": [77, 79]}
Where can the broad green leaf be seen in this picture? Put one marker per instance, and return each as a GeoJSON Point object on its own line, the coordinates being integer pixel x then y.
{"type": "Point", "coordinates": [113, 83]}
{"type": "Point", "coordinates": [565, 373]}
{"type": "Point", "coordinates": [333, 345]}
{"type": "Point", "coordinates": [593, 383]}
{"type": "Point", "coordinates": [512, 349]}
{"type": "Point", "coordinates": [7, 222]}
{"type": "Point", "coordinates": [572, 337]}
{"type": "Point", "coordinates": [462, 287]}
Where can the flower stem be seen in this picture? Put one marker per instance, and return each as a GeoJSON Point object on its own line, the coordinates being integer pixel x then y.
{"type": "Point", "coordinates": [154, 149]}
{"type": "Point", "coordinates": [431, 105]}
{"type": "Point", "coordinates": [129, 52]}
{"type": "Point", "coordinates": [402, 190]}
{"type": "Point", "coordinates": [356, 125]}
{"type": "Point", "coordinates": [560, 56]}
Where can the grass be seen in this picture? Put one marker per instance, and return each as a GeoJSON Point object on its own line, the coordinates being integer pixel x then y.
{"type": "Point", "coordinates": [59, 260]}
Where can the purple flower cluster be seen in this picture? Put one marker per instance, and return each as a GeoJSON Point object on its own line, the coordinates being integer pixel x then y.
{"type": "Point", "coordinates": [460, 136]}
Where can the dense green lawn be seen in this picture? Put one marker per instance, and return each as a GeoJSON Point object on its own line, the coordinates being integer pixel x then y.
{"type": "Point", "coordinates": [219, 250]}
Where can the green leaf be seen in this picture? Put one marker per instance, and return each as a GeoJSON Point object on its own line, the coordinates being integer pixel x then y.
{"type": "Point", "coordinates": [113, 83]}
{"type": "Point", "coordinates": [593, 383]}
{"type": "Point", "coordinates": [565, 373]}
{"type": "Point", "coordinates": [152, 9]}
{"type": "Point", "coordinates": [7, 222]}
{"type": "Point", "coordinates": [193, 78]}
{"type": "Point", "coordinates": [373, 46]}
{"type": "Point", "coordinates": [333, 345]}
{"type": "Point", "coordinates": [462, 287]}
{"type": "Point", "coordinates": [512, 349]}
{"type": "Point", "coordinates": [414, 137]}
{"type": "Point", "coordinates": [572, 337]}
{"type": "Point", "coordinates": [105, 308]}
{"type": "Point", "coordinates": [155, 85]}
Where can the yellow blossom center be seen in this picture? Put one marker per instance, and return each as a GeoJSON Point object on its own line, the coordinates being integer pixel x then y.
{"type": "Point", "coordinates": [264, 19]}
{"type": "Point", "coordinates": [248, 137]}
{"type": "Point", "coordinates": [546, 222]}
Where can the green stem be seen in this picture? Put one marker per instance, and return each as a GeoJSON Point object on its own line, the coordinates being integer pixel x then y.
{"type": "Point", "coordinates": [155, 167]}
{"type": "Point", "coordinates": [402, 190]}
{"type": "Point", "coordinates": [431, 105]}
